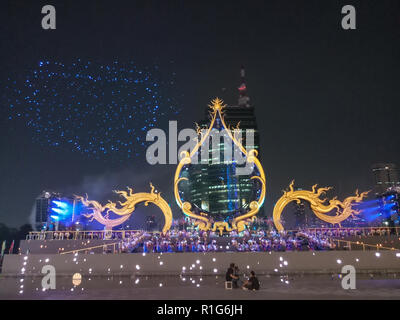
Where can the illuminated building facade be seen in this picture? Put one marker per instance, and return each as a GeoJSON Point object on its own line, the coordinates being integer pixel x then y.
{"type": "Point", "coordinates": [386, 176]}
{"type": "Point", "coordinates": [213, 186]}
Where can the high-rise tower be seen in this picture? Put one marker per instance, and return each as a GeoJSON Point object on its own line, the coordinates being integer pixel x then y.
{"type": "Point", "coordinates": [214, 187]}
{"type": "Point", "coordinates": [386, 175]}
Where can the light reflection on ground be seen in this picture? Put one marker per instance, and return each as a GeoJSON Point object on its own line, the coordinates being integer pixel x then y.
{"type": "Point", "coordinates": [200, 287]}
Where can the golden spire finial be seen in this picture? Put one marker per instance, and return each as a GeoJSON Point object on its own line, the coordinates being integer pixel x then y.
{"type": "Point", "coordinates": [217, 104]}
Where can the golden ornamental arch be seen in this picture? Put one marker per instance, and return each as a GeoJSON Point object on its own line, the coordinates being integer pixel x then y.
{"type": "Point", "coordinates": [202, 219]}
{"type": "Point", "coordinates": [319, 206]}
{"type": "Point", "coordinates": [125, 209]}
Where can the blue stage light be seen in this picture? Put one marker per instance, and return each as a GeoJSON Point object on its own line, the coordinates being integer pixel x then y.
{"type": "Point", "coordinates": [62, 210]}
{"type": "Point", "coordinates": [59, 211]}
{"type": "Point", "coordinates": [389, 205]}
{"type": "Point", "coordinates": [373, 217]}
{"type": "Point", "coordinates": [60, 204]}
{"type": "Point", "coordinates": [367, 204]}
{"type": "Point", "coordinates": [390, 197]}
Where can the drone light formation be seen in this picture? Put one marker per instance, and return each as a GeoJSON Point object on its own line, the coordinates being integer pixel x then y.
{"type": "Point", "coordinates": [102, 111]}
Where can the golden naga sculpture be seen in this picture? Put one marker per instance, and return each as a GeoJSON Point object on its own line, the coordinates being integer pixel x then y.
{"type": "Point", "coordinates": [102, 213]}
{"type": "Point", "coordinates": [318, 206]}
{"type": "Point", "coordinates": [202, 219]}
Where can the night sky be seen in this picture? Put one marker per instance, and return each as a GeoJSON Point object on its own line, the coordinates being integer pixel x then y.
{"type": "Point", "coordinates": [327, 100]}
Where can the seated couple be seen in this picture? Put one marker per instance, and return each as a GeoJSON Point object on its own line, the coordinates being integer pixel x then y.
{"type": "Point", "coordinates": [232, 274]}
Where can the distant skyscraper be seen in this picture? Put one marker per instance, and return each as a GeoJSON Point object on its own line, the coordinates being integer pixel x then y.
{"type": "Point", "coordinates": [214, 187]}
{"type": "Point", "coordinates": [386, 175]}
{"type": "Point", "coordinates": [42, 209]}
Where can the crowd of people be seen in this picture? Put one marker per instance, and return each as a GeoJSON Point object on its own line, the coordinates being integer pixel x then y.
{"type": "Point", "coordinates": [350, 232]}
{"type": "Point", "coordinates": [201, 241]}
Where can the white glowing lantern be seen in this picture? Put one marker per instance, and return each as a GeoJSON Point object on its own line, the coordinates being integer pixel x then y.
{"type": "Point", "coordinates": [339, 261]}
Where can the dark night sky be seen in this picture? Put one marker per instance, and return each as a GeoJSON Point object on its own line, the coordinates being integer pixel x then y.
{"type": "Point", "coordinates": [327, 100]}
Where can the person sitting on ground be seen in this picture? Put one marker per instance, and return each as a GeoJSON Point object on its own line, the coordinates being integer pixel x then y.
{"type": "Point", "coordinates": [235, 281]}
{"type": "Point", "coordinates": [252, 283]}
{"type": "Point", "coordinates": [230, 273]}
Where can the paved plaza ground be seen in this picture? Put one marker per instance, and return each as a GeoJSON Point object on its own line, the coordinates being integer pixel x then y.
{"type": "Point", "coordinates": [201, 288]}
